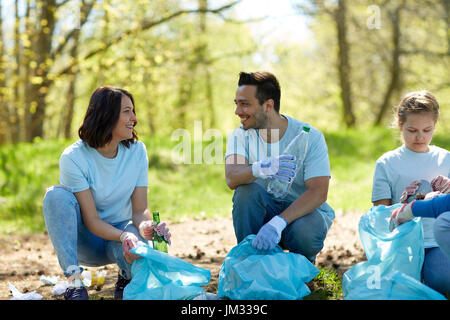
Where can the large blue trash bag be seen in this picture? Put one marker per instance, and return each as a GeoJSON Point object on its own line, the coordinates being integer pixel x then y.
{"type": "Point", "coordinates": [251, 274]}
{"type": "Point", "coordinates": [393, 286]}
{"type": "Point", "coordinates": [159, 276]}
{"type": "Point", "coordinates": [388, 253]}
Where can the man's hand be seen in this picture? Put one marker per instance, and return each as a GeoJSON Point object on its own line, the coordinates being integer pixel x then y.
{"type": "Point", "coordinates": [270, 234]}
{"type": "Point", "coordinates": [441, 183]}
{"type": "Point", "coordinates": [129, 241]}
{"type": "Point", "coordinates": [280, 167]}
{"type": "Point", "coordinates": [401, 215]}
{"type": "Point", "coordinates": [409, 191]}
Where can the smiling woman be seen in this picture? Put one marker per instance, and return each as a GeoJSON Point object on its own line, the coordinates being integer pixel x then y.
{"type": "Point", "coordinates": [100, 211]}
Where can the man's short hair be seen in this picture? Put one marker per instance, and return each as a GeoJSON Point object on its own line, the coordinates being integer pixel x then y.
{"type": "Point", "coordinates": [267, 86]}
{"type": "Point", "coordinates": [102, 115]}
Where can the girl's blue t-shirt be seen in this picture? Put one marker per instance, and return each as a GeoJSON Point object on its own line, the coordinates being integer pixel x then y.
{"type": "Point", "coordinates": [111, 181]}
{"type": "Point", "coordinates": [397, 169]}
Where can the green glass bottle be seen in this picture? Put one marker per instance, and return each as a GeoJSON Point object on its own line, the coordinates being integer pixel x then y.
{"type": "Point", "coordinates": [158, 242]}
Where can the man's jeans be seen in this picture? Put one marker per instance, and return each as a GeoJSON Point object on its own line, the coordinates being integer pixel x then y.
{"type": "Point", "coordinates": [253, 206]}
{"type": "Point", "coordinates": [74, 244]}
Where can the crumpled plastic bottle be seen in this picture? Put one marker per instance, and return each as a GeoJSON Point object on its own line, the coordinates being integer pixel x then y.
{"type": "Point", "coordinates": [297, 147]}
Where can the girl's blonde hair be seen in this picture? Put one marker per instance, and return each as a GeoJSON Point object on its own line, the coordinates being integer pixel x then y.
{"type": "Point", "coordinates": [416, 102]}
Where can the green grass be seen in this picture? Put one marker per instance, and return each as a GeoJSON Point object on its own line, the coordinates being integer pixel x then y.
{"type": "Point", "coordinates": [327, 285]}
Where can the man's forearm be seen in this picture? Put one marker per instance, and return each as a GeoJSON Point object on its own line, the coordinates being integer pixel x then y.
{"type": "Point", "coordinates": [310, 200]}
{"type": "Point", "coordinates": [239, 174]}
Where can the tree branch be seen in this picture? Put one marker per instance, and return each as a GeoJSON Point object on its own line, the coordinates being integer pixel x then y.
{"type": "Point", "coordinates": [145, 25]}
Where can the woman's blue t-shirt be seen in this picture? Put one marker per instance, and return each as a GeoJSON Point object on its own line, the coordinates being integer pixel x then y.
{"type": "Point", "coordinates": [111, 181]}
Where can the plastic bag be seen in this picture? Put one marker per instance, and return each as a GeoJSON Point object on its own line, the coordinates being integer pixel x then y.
{"type": "Point", "coordinates": [159, 276]}
{"type": "Point", "coordinates": [394, 286]}
{"type": "Point", "coordinates": [250, 274]}
{"type": "Point", "coordinates": [388, 253]}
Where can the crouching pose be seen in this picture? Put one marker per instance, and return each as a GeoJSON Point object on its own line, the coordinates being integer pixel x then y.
{"type": "Point", "coordinates": [100, 211]}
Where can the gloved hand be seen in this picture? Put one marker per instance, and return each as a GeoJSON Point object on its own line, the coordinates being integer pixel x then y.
{"type": "Point", "coordinates": [270, 234]}
{"type": "Point", "coordinates": [441, 183]}
{"type": "Point", "coordinates": [162, 230]}
{"type": "Point", "coordinates": [401, 215]}
{"type": "Point", "coordinates": [129, 241]}
{"type": "Point", "coordinates": [409, 191]}
{"type": "Point", "coordinates": [280, 167]}
{"type": "Point", "coordinates": [146, 229]}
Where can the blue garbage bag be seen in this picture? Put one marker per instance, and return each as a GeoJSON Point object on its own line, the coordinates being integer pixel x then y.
{"type": "Point", "coordinates": [251, 274]}
{"type": "Point", "coordinates": [159, 276]}
{"type": "Point", "coordinates": [395, 285]}
{"type": "Point", "coordinates": [394, 259]}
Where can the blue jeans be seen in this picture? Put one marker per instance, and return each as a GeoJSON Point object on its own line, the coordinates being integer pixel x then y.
{"type": "Point", "coordinates": [73, 243]}
{"type": "Point", "coordinates": [253, 206]}
{"type": "Point", "coordinates": [436, 266]}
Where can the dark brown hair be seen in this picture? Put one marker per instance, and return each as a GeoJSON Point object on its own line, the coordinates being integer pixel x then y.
{"type": "Point", "coordinates": [102, 115]}
{"type": "Point", "coordinates": [267, 86]}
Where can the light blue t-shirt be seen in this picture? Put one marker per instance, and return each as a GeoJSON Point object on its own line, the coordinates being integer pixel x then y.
{"type": "Point", "coordinates": [111, 181]}
{"type": "Point", "coordinates": [252, 146]}
{"type": "Point", "coordinates": [397, 169]}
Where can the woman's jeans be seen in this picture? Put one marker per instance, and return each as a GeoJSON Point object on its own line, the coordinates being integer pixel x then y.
{"type": "Point", "coordinates": [74, 244]}
{"type": "Point", "coordinates": [253, 206]}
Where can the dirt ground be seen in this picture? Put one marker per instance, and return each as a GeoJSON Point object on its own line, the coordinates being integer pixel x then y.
{"type": "Point", "coordinates": [204, 243]}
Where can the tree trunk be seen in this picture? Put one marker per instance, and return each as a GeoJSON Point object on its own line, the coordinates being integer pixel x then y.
{"type": "Point", "coordinates": [15, 106]}
{"type": "Point", "coordinates": [395, 67]}
{"type": "Point", "coordinates": [40, 83]}
{"type": "Point", "coordinates": [344, 67]}
{"type": "Point", "coordinates": [4, 114]}
{"type": "Point", "coordinates": [71, 90]}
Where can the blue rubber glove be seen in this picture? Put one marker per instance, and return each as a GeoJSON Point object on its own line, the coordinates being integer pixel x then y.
{"type": "Point", "coordinates": [270, 234]}
{"type": "Point", "coordinates": [280, 167]}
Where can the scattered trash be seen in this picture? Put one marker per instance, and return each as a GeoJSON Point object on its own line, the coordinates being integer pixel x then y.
{"type": "Point", "coordinates": [94, 278]}
{"type": "Point", "coordinates": [17, 295]}
{"type": "Point", "coordinates": [49, 280]}
{"type": "Point", "coordinates": [60, 287]}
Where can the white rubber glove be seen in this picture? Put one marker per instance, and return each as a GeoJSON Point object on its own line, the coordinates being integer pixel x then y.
{"type": "Point", "coordinates": [401, 215]}
{"type": "Point", "coordinates": [129, 241]}
{"type": "Point", "coordinates": [270, 234]}
{"type": "Point", "coordinates": [280, 167]}
{"type": "Point", "coordinates": [441, 183]}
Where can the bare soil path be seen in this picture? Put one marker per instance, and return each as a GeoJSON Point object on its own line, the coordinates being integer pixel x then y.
{"type": "Point", "coordinates": [205, 243]}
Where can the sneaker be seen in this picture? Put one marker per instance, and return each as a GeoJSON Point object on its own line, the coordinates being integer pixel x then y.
{"type": "Point", "coordinates": [76, 293]}
{"type": "Point", "coordinates": [120, 285]}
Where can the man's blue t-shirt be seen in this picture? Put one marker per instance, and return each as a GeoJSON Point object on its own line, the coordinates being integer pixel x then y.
{"type": "Point", "coordinates": [111, 181]}
{"type": "Point", "coordinates": [252, 146]}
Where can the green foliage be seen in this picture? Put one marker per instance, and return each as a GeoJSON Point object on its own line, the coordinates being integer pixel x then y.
{"type": "Point", "coordinates": [327, 285]}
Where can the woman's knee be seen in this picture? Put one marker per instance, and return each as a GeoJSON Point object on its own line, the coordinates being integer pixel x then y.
{"type": "Point", "coordinates": [57, 198]}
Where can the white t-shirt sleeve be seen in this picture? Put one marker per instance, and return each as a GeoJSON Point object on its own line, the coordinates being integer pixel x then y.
{"type": "Point", "coordinates": [316, 163]}
{"type": "Point", "coordinates": [71, 175]}
{"type": "Point", "coordinates": [381, 187]}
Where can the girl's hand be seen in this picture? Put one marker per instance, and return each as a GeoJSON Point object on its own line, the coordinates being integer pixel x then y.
{"type": "Point", "coordinates": [409, 191]}
{"type": "Point", "coordinates": [441, 183]}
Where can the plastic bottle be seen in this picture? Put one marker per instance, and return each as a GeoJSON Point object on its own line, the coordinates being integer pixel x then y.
{"type": "Point", "coordinates": [297, 147]}
{"type": "Point", "coordinates": [158, 241]}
